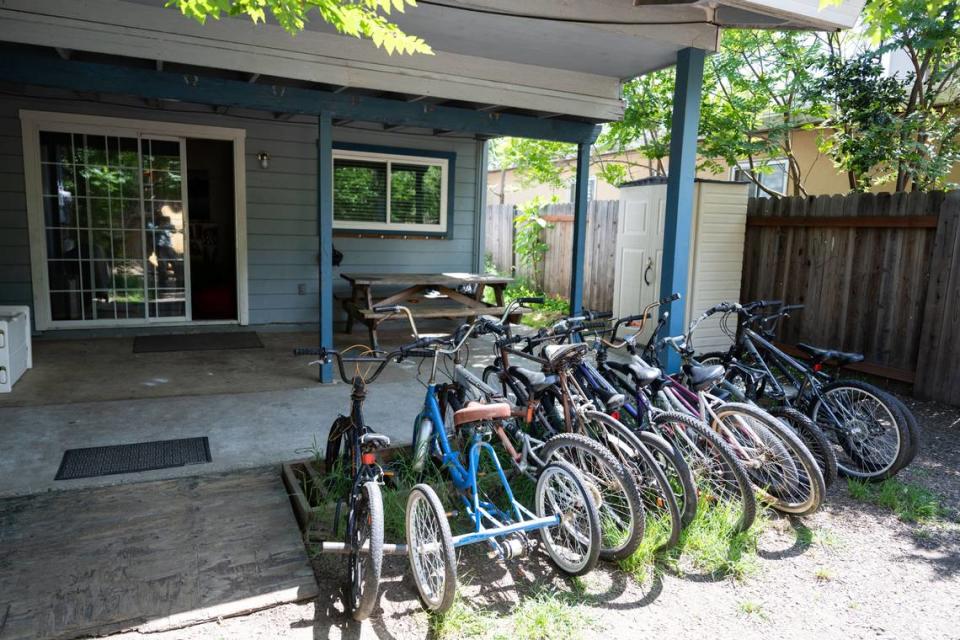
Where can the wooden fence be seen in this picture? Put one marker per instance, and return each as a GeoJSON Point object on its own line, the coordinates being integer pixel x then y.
{"type": "Point", "coordinates": [554, 279]}
{"type": "Point", "coordinates": [862, 265]}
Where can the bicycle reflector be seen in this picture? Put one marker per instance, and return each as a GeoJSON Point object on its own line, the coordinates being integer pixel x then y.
{"type": "Point", "coordinates": [368, 458]}
{"type": "Point", "coordinates": [615, 415]}
{"type": "Point", "coordinates": [818, 366]}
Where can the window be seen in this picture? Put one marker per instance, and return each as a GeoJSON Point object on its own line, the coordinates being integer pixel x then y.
{"type": "Point", "coordinates": [774, 177]}
{"type": "Point", "coordinates": [390, 192]}
{"type": "Point", "coordinates": [591, 188]}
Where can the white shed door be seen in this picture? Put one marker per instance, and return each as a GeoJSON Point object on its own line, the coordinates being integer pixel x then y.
{"type": "Point", "coordinates": [639, 249]}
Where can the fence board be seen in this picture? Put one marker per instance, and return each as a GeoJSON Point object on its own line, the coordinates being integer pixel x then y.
{"type": "Point", "coordinates": [938, 376]}
{"type": "Point", "coordinates": [554, 279]}
{"type": "Point", "coordinates": [860, 263]}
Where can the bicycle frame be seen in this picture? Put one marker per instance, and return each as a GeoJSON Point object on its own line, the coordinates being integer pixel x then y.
{"type": "Point", "coordinates": [465, 479]}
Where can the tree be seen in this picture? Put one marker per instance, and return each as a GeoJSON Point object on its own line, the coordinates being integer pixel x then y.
{"type": "Point", "coordinates": [358, 18]}
{"type": "Point", "coordinates": [758, 89]}
{"type": "Point", "coordinates": [928, 32]}
{"type": "Point", "coordinates": [863, 122]}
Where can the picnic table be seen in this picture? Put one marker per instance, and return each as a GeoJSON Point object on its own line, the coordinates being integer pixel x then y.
{"type": "Point", "coordinates": [427, 295]}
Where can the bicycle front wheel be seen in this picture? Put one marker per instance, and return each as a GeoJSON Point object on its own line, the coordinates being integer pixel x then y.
{"type": "Point", "coordinates": [783, 471]}
{"type": "Point", "coordinates": [573, 544]}
{"type": "Point", "coordinates": [612, 487]}
{"type": "Point", "coordinates": [659, 502]}
{"type": "Point", "coordinates": [365, 541]}
{"type": "Point", "coordinates": [722, 482]}
{"type": "Point", "coordinates": [433, 560]}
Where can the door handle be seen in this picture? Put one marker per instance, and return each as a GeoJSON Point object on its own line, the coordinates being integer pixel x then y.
{"type": "Point", "coordinates": [646, 272]}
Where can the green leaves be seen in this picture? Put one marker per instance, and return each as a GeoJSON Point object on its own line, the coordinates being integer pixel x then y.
{"type": "Point", "coordinates": [358, 18]}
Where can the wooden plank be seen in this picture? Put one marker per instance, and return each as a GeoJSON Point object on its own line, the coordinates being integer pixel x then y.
{"type": "Point", "coordinates": [900, 222]}
{"type": "Point", "coordinates": [902, 375]}
{"type": "Point", "coordinates": [423, 279]}
{"type": "Point", "coordinates": [155, 555]}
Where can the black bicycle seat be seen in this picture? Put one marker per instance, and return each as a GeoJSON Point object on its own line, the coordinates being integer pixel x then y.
{"type": "Point", "coordinates": [703, 377]}
{"type": "Point", "coordinates": [374, 441]}
{"type": "Point", "coordinates": [537, 380]}
{"type": "Point", "coordinates": [822, 355]}
{"type": "Point", "coordinates": [556, 353]}
{"type": "Point", "coordinates": [642, 373]}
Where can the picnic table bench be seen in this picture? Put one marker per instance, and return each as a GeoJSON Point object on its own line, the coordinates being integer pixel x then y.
{"type": "Point", "coordinates": [439, 295]}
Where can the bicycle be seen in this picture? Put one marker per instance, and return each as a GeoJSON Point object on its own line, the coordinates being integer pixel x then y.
{"type": "Point", "coordinates": [873, 435]}
{"type": "Point", "coordinates": [783, 471]}
{"type": "Point", "coordinates": [364, 534]}
{"type": "Point", "coordinates": [565, 512]}
{"type": "Point", "coordinates": [625, 489]}
{"type": "Point", "coordinates": [699, 456]}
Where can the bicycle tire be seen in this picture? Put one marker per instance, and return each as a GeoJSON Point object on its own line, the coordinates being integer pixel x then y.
{"type": "Point", "coordinates": [613, 488]}
{"type": "Point", "coordinates": [814, 439]}
{"type": "Point", "coordinates": [798, 488]}
{"type": "Point", "coordinates": [913, 427]}
{"type": "Point", "coordinates": [717, 471]}
{"type": "Point", "coordinates": [435, 598]}
{"type": "Point", "coordinates": [364, 577]}
{"type": "Point", "coordinates": [631, 452]}
{"type": "Point", "coordinates": [589, 514]}
{"type": "Point", "coordinates": [854, 462]}
{"type": "Point", "coordinates": [678, 474]}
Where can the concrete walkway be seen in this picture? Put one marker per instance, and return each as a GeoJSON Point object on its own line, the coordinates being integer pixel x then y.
{"type": "Point", "coordinates": [245, 430]}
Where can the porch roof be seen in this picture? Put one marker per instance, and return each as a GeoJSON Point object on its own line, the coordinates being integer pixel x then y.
{"type": "Point", "coordinates": [546, 60]}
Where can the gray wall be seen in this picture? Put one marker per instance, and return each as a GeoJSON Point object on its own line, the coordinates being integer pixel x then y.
{"type": "Point", "coordinates": [281, 203]}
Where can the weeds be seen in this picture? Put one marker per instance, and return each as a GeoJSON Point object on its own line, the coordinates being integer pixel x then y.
{"type": "Point", "coordinates": [823, 574]}
{"type": "Point", "coordinates": [546, 614]}
{"type": "Point", "coordinates": [752, 609]}
{"type": "Point", "coordinates": [910, 502]}
{"type": "Point", "coordinates": [711, 545]}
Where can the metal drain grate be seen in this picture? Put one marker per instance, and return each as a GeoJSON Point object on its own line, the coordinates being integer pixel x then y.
{"type": "Point", "coordinates": [131, 458]}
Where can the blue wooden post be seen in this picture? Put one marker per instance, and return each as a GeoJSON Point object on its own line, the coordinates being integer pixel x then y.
{"type": "Point", "coordinates": [579, 227]}
{"type": "Point", "coordinates": [325, 234]}
{"type": "Point", "coordinates": [679, 208]}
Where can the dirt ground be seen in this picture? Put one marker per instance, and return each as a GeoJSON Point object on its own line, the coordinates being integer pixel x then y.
{"type": "Point", "coordinates": [852, 570]}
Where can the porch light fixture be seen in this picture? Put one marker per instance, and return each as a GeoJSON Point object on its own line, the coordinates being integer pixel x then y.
{"type": "Point", "coordinates": [264, 159]}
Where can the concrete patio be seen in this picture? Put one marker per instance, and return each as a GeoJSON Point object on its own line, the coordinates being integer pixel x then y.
{"type": "Point", "coordinates": [256, 406]}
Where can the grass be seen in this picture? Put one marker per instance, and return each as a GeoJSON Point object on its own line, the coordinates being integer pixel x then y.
{"type": "Point", "coordinates": [542, 315]}
{"type": "Point", "coordinates": [711, 545]}
{"type": "Point", "coordinates": [910, 502]}
{"type": "Point", "coordinates": [823, 574]}
{"type": "Point", "coordinates": [820, 536]}
{"type": "Point", "coordinates": [752, 609]}
{"type": "Point", "coordinates": [544, 615]}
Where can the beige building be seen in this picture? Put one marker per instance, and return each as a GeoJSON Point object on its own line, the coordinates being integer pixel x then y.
{"type": "Point", "coordinates": [820, 177]}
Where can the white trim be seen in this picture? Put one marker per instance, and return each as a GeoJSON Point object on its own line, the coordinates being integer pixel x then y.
{"type": "Point", "coordinates": [32, 122]}
{"type": "Point", "coordinates": [388, 159]}
{"type": "Point", "coordinates": [744, 165]}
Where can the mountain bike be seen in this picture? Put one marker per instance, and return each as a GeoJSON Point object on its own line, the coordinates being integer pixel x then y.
{"type": "Point", "coordinates": [558, 404]}
{"type": "Point", "coordinates": [873, 435]}
{"type": "Point", "coordinates": [354, 443]}
{"type": "Point", "coordinates": [783, 471]}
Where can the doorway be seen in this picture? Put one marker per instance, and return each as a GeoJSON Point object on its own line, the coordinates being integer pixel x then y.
{"type": "Point", "coordinates": [213, 248]}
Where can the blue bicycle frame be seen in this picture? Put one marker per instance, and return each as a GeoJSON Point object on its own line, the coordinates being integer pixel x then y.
{"type": "Point", "coordinates": [465, 480]}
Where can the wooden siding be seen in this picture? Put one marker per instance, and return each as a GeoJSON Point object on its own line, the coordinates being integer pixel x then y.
{"type": "Point", "coordinates": [281, 205]}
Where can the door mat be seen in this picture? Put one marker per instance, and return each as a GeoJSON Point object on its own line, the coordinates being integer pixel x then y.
{"type": "Point", "coordinates": [197, 342]}
{"type": "Point", "coordinates": [91, 462]}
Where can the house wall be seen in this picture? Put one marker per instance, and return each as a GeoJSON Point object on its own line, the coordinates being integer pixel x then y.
{"type": "Point", "coordinates": [281, 203]}
{"type": "Point", "coordinates": [820, 177]}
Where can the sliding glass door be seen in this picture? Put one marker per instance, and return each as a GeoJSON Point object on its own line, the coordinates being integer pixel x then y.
{"type": "Point", "coordinates": [115, 225]}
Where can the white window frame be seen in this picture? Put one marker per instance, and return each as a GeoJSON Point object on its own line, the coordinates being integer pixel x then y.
{"type": "Point", "coordinates": [33, 122]}
{"type": "Point", "coordinates": [591, 189]}
{"type": "Point", "coordinates": [744, 166]}
{"type": "Point", "coordinates": [388, 159]}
